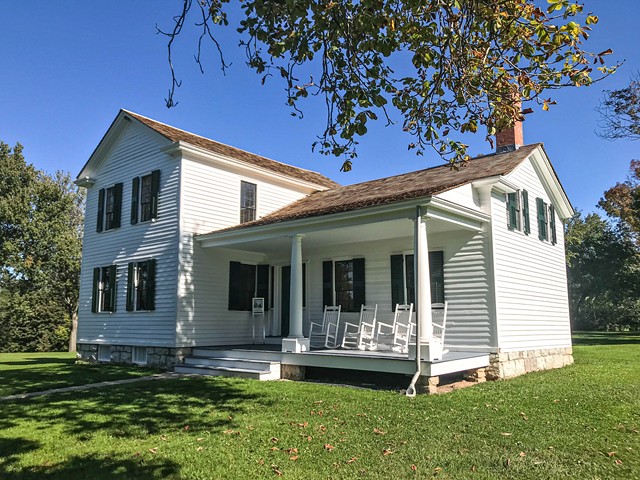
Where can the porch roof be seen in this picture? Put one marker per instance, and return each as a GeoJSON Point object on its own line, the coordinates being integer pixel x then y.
{"type": "Point", "coordinates": [408, 186]}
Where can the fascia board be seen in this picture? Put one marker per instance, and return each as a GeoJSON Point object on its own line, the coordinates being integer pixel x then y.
{"type": "Point", "coordinates": [552, 184]}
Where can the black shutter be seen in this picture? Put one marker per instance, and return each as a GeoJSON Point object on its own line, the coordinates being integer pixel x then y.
{"type": "Point", "coordinates": [262, 284]}
{"type": "Point", "coordinates": [155, 189]}
{"type": "Point", "coordinates": [117, 204]}
{"type": "Point", "coordinates": [359, 297]}
{"type": "Point", "coordinates": [327, 282]}
{"type": "Point", "coordinates": [410, 279]}
{"type": "Point", "coordinates": [95, 298]}
{"type": "Point", "coordinates": [525, 212]}
{"type": "Point", "coordinates": [436, 269]}
{"type": "Point", "coordinates": [542, 219]}
{"type": "Point", "coordinates": [234, 285]}
{"type": "Point", "coordinates": [113, 286]}
{"type": "Point", "coordinates": [397, 280]}
{"type": "Point", "coordinates": [552, 224]}
{"type": "Point", "coordinates": [151, 284]}
{"type": "Point", "coordinates": [135, 196]}
{"type": "Point", "coordinates": [131, 285]}
{"type": "Point", "coordinates": [100, 210]}
{"type": "Point", "coordinates": [512, 211]}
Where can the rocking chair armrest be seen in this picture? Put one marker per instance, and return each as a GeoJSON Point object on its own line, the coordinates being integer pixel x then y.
{"type": "Point", "coordinates": [348, 324]}
{"type": "Point", "coordinates": [317, 325]}
{"type": "Point", "coordinates": [368, 325]}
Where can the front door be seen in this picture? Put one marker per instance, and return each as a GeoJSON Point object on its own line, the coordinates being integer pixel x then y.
{"type": "Point", "coordinates": [285, 295]}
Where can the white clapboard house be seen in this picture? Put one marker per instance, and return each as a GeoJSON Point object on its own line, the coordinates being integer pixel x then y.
{"type": "Point", "coordinates": [182, 232]}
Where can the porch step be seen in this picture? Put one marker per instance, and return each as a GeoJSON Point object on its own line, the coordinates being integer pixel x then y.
{"type": "Point", "coordinates": [230, 367]}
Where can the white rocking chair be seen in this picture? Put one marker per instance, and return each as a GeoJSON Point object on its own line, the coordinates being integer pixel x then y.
{"type": "Point", "coordinates": [439, 322]}
{"type": "Point", "coordinates": [397, 335]}
{"type": "Point", "coordinates": [326, 333]}
{"type": "Point", "coordinates": [361, 336]}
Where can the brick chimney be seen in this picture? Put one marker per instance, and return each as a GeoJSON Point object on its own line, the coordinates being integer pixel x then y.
{"type": "Point", "coordinates": [510, 139]}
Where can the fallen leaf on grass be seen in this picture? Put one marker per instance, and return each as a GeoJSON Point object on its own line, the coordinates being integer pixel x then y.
{"type": "Point", "coordinates": [386, 451]}
{"type": "Point", "coordinates": [506, 434]}
{"type": "Point", "coordinates": [291, 450]}
{"type": "Point", "coordinates": [436, 471]}
{"type": "Point", "coordinates": [618, 461]}
{"type": "Point", "coordinates": [185, 428]}
{"type": "Point", "coordinates": [295, 457]}
{"type": "Point", "coordinates": [352, 459]}
{"type": "Point", "coordinates": [276, 470]}
{"type": "Point", "coordinates": [611, 454]}
{"type": "Point", "coordinates": [199, 439]}
{"type": "Point", "coordinates": [507, 462]}
{"type": "Point", "coordinates": [318, 402]}
{"type": "Point", "coordinates": [522, 454]}
{"type": "Point", "coordinates": [329, 447]}
{"type": "Point", "coordinates": [163, 437]}
{"type": "Point", "coordinates": [378, 431]}
{"type": "Point", "coordinates": [230, 432]}
{"type": "Point", "coordinates": [274, 449]}
{"type": "Point", "coordinates": [273, 440]}
{"type": "Point", "coordinates": [414, 468]}
{"type": "Point", "coordinates": [199, 449]}
{"type": "Point", "coordinates": [154, 450]}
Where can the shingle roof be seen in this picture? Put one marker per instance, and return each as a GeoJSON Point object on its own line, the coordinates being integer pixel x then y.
{"type": "Point", "coordinates": [422, 183]}
{"type": "Point", "coordinates": [177, 135]}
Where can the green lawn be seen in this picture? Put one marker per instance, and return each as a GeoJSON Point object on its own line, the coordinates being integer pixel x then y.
{"type": "Point", "coordinates": [579, 422]}
{"type": "Point", "coordinates": [32, 372]}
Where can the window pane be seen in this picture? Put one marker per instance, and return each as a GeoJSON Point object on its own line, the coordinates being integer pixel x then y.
{"type": "Point", "coordinates": [344, 285]}
{"type": "Point", "coordinates": [142, 286]}
{"type": "Point", "coordinates": [247, 202]}
{"type": "Point", "coordinates": [110, 208]}
{"type": "Point", "coordinates": [146, 199]}
{"type": "Point", "coordinates": [105, 294]}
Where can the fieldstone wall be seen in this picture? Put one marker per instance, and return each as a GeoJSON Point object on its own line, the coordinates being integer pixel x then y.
{"type": "Point", "coordinates": [292, 372]}
{"type": "Point", "coordinates": [157, 357]}
{"type": "Point", "coordinates": [513, 364]}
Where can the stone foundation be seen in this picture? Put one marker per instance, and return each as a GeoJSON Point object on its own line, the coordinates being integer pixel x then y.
{"type": "Point", "coordinates": [158, 357]}
{"type": "Point", "coordinates": [292, 372]}
{"type": "Point", "coordinates": [513, 364]}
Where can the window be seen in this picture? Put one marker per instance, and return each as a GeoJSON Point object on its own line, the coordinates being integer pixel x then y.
{"type": "Point", "coordinates": [109, 207]}
{"type": "Point", "coordinates": [525, 212]}
{"type": "Point", "coordinates": [343, 284]}
{"type": "Point", "coordinates": [247, 202]}
{"type": "Point", "coordinates": [552, 224]}
{"type": "Point", "coordinates": [104, 353]}
{"type": "Point", "coordinates": [139, 355]}
{"type": "Point", "coordinates": [402, 278]}
{"type": "Point", "coordinates": [141, 285]}
{"type": "Point", "coordinates": [144, 197]}
{"type": "Point", "coordinates": [543, 232]}
{"type": "Point", "coordinates": [104, 289]}
{"type": "Point", "coordinates": [513, 210]}
{"type": "Point", "coordinates": [242, 285]}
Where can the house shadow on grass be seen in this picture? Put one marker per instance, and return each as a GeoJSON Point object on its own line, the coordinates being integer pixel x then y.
{"type": "Point", "coordinates": [606, 338]}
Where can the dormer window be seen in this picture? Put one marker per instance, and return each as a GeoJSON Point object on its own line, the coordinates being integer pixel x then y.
{"type": "Point", "coordinates": [144, 197]}
{"type": "Point", "coordinates": [109, 207]}
{"type": "Point", "coordinates": [247, 202]}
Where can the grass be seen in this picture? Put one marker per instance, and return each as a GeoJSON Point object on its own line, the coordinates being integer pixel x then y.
{"type": "Point", "coordinates": [32, 372]}
{"type": "Point", "coordinates": [582, 421]}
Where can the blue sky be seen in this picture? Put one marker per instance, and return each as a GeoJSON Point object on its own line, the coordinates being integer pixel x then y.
{"type": "Point", "coordinates": [69, 66]}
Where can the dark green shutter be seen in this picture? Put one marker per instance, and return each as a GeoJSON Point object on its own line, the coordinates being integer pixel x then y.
{"type": "Point", "coordinates": [234, 285]}
{"type": "Point", "coordinates": [262, 284]}
{"type": "Point", "coordinates": [135, 196]}
{"type": "Point", "coordinates": [155, 189]}
{"type": "Point", "coordinates": [151, 284]}
{"type": "Point", "coordinates": [397, 280]}
{"type": "Point", "coordinates": [100, 210]}
{"type": "Point", "coordinates": [525, 212]}
{"type": "Point", "coordinates": [113, 286]}
{"type": "Point", "coordinates": [409, 268]}
{"type": "Point", "coordinates": [542, 219]}
{"type": "Point", "coordinates": [327, 283]}
{"type": "Point", "coordinates": [131, 285]}
{"type": "Point", "coordinates": [552, 224]}
{"type": "Point", "coordinates": [95, 296]}
{"type": "Point", "coordinates": [436, 269]}
{"type": "Point", "coordinates": [359, 297]}
{"type": "Point", "coordinates": [512, 211]}
{"type": "Point", "coordinates": [117, 204]}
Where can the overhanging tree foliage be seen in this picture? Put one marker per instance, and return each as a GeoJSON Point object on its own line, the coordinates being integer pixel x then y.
{"type": "Point", "coordinates": [622, 202]}
{"type": "Point", "coordinates": [40, 249]}
{"type": "Point", "coordinates": [441, 66]}
{"type": "Point", "coordinates": [620, 112]}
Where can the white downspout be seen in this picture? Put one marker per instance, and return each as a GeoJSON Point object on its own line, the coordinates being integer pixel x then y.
{"type": "Point", "coordinates": [411, 389]}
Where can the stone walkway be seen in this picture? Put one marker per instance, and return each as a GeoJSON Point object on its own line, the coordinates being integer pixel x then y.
{"type": "Point", "coordinates": [88, 386]}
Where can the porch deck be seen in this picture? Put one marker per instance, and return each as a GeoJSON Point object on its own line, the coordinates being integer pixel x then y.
{"type": "Point", "coordinates": [376, 361]}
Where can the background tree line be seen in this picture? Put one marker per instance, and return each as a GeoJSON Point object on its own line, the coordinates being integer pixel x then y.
{"type": "Point", "coordinates": [41, 219]}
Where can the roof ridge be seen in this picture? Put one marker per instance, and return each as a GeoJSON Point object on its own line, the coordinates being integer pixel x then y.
{"type": "Point", "coordinates": [220, 143]}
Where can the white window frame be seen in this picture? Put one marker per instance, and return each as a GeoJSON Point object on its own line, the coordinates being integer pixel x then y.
{"type": "Point", "coordinates": [139, 355]}
{"type": "Point", "coordinates": [104, 353]}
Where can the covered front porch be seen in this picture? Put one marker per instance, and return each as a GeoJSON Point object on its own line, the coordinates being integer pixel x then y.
{"type": "Point", "coordinates": [346, 259]}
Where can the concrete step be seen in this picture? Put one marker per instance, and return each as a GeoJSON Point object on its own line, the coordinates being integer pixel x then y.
{"type": "Point", "coordinates": [237, 353]}
{"type": "Point", "coordinates": [209, 370]}
{"type": "Point", "coordinates": [233, 362]}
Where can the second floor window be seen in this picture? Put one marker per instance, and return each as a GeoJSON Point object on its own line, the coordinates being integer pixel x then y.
{"type": "Point", "coordinates": [104, 289]}
{"type": "Point", "coordinates": [109, 207]}
{"type": "Point", "coordinates": [247, 202]}
{"type": "Point", "coordinates": [144, 197]}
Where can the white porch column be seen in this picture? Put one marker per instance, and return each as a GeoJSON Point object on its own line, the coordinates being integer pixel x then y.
{"type": "Point", "coordinates": [295, 342]}
{"type": "Point", "coordinates": [423, 291]}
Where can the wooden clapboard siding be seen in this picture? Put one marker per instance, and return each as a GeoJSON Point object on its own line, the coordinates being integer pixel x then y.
{"type": "Point", "coordinates": [210, 200]}
{"type": "Point", "coordinates": [136, 152]}
{"type": "Point", "coordinates": [531, 282]}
